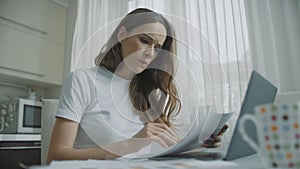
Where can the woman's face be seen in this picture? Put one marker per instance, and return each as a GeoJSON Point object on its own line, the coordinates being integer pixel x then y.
{"type": "Point", "coordinates": [140, 47]}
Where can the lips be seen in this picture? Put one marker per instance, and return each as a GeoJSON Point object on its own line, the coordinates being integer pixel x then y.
{"type": "Point", "coordinates": [143, 62]}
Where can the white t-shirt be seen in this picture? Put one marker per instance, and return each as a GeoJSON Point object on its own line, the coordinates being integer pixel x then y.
{"type": "Point", "coordinates": [99, 101]}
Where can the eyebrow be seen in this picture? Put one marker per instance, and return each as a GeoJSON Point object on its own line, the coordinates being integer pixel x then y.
{"type": "Point", "coordinates": [151, 38]}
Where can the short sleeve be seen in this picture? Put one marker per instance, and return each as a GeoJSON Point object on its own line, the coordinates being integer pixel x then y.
{"type": "Point", "coordinates": [73, 97]}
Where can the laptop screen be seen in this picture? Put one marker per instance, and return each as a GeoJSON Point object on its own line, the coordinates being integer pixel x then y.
{"type": "Point", "coordinates": [259, 91]}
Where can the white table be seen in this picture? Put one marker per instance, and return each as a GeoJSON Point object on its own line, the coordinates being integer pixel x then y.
{"type": "Point", "coordinates": [250, 162]}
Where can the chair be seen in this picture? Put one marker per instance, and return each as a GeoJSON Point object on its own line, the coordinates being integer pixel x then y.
{"type": "Point", "coordinates": [48, 118]}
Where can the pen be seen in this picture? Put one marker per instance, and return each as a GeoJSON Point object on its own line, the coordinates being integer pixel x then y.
{"type": "Point", "coordinates": [225, 127]}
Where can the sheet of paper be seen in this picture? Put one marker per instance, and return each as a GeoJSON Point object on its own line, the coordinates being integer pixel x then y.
{"type": "Point", "coordinates": [198, 134]}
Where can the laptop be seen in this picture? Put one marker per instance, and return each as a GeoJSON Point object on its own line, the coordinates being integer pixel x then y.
{"type": "Point", "coordinates": [259, 91]}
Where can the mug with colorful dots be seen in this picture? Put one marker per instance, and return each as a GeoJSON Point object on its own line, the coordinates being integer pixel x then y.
{"type": "Point", "coordinates": [278, 131]}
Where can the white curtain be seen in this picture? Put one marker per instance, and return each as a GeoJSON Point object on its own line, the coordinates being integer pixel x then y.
{"type": "Point", "coordinates": [94, 23]}
{"type": "Point", "coordinates": [213, 50]}
{"type": "Point", "coordinates": [274, 29]}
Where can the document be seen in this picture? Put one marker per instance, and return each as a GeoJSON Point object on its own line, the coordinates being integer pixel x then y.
{"type": "Point", "coordinates": [199, 132]}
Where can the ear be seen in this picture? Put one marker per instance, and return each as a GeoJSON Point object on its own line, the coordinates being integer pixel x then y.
{"type": "Point", "coordinates": [121, 35]}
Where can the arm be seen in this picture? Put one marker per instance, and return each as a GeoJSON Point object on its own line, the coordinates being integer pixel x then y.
{"type": "Point", "coordinates": [62, 140]}
{"type": "Point", "coordinates": [64, 133]}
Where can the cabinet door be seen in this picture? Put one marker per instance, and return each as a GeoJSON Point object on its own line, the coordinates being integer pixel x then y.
{"type": "Point", "coordinates": [32, 52]}
{"type": "Point", "coordinates": [14, 154]}
{"type": "Point", "coordinates": [54, 50]}
{"type": "Point", "coordinates": [56, 17]}
{"type": "Point", "coordinates": [28, 51]}
{"type": "Point", "coordinates": [53, 62]}
{"type": "Point", "coordinates": [28, 13]}
{"type": "Point", "coordinates": [21, 51]}
{"type": "Point", "coordinates": [6, 44]}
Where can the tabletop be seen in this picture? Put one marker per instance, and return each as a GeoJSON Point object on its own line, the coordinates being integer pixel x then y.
{"type": "Point", "coordinates": [249, 162]}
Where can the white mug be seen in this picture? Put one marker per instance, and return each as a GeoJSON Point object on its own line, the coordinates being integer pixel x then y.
{"type": "Point", "coordinates": [278, 131]}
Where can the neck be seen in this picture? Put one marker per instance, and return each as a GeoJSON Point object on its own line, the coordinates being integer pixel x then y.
{"type": "Point", "coordinates": [124, 73]}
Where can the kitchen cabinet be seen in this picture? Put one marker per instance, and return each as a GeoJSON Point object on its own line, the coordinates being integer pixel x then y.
{"type": "Point", "coordinates": [17, 154]}
{"type": "Point", "coordinates": [32, 42]}
{"type": "Point", "coordinates": [29, 12]}
{"type": "Point", "coordinates": [19, 149]}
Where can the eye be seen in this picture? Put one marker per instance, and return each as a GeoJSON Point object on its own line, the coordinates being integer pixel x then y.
{"type": "Point", "coordinates": [157, 49]}
{"type": "Point", "coordinates": [144, 40]}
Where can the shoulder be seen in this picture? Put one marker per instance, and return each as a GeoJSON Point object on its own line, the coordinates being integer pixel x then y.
{"type": "Point", "coordinates": [83, 75]}
{"type": "Point", "coordinates": [83, 72]}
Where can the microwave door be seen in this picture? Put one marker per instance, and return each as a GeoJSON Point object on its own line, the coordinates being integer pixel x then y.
{"type": "Point", "coordinates": [30, 117]}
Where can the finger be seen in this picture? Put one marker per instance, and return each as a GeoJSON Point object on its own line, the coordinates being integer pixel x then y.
{"type": "Point", "coordinates": [211, 145]}
{"type": "Point", "coordinates": [165, 136]}
{"type": "Point", "coordinates": [216, 138]}
{"type": "Point", "coordinates": [160, 132]}
{"type": "Point", "coordinates": [207, 146]}
{"type": "Point", "coordinates": [159, 140]}
{"type": "Point", "coordinates": [223, 130]}
{"type": "Point", "coordinates": [165, 127]}
{"type": "Point", "coordinates": [169, 135]}
{"type": "Point", "coordinates": [211, 142]}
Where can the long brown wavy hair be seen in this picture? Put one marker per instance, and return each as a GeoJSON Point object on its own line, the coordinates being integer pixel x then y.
{"type": "Point", "coordinates": [159, 74]}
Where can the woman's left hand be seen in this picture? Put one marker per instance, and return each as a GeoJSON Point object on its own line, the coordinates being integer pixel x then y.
{"type": "Point", "coordinates": [215, 140]}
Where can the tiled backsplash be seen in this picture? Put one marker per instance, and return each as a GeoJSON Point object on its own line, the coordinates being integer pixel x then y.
{"type": "Point", "coordinates": [10, 92]}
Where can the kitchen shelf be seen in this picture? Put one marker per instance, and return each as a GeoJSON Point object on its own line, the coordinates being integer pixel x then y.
{"type": "Point", "coordinates": [20, 137]}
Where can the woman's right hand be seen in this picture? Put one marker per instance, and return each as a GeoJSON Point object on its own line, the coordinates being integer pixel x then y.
{"type": "Point", "coordinates": [158, 132]}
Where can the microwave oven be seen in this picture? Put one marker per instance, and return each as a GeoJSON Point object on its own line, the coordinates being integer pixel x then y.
{"type": "Point", "coordinates": [20, 116]}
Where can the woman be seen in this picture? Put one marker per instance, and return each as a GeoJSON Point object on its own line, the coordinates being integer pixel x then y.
{"type": "Point", "coordinates": [127, 101]}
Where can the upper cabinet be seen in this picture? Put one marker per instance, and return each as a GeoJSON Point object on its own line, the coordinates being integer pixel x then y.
{"type": "Point", "coordinates": [30, 13]}
{"type": "Point", "coordinates": [32, 42]}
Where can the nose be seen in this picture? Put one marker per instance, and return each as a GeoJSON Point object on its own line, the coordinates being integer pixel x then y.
{"type": "Point", "coordinates": [150, 52]}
